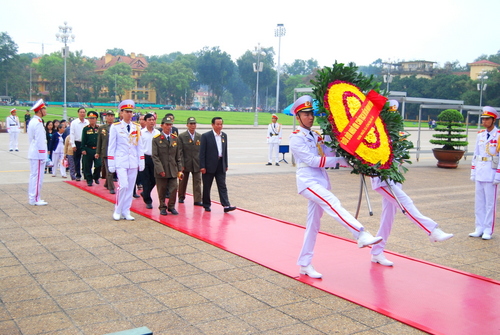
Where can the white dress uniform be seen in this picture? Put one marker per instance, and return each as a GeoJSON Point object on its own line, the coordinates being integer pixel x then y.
{"type": "Point", "coordinates": [125, 156]}
{"type": "Point", "coordinates": [312, 156]}
{"type": "Point", "coordinates": [274, 136]}
{"type": "Point", "coordinates": [486, 176]}
{"type": "Point", "coordinates": [37, 155]}
{"type": "Point", "coordinates": [13, 128]}
{"type": "Point", "coordinates": [390, 208]}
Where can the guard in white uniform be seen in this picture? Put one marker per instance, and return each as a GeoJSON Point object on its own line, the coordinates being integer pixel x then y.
{"type": "Point", "coordinates": [486, 173]}
{"type": "Point", "coordinates": [13, 128]}
{"type": "Point", "coordinates": [37, 154]}
{"type": "Point", "coordinates": [312, 156]}
{"type": "Point", "coordinates": [390, 207]}
{"type": "Point", "coordinates": [273, 139]}
{"type": "Point", "coordinates": [125, 156]}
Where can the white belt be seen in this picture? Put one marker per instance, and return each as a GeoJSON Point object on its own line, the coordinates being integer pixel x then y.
{"type": "Point", "coordinates": [484, 159]}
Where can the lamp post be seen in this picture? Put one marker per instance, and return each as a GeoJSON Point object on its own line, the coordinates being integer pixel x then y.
{"type": "Point", "coordinates": [481, 87]}
{"type": "Point", "coordinates": [257, 67]}
{"type": "Point", "coordinates": [278, 32]}
{"type": "Point", "coordinates": [65, 38]}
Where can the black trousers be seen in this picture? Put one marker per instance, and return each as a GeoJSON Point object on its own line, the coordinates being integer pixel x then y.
{"type": "Point", "coordinates": [148, 179]}
{"type": "Point", "coordinates": [220, 180]}
{"type": "Point", "coordinates": [77, 158]}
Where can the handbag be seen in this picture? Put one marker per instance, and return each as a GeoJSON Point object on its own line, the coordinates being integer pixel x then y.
{"type": "Point", "coordinates": [65, 162]}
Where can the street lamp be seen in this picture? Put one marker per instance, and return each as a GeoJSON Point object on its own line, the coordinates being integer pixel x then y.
{"type": "Point", "coordinates": [278, 32]}
{"type": "Point", "coordinates": [257, 67]}
{"type": "Point", "coordinates": [65, 38]}
{"type": "Point", "coordinates": [388, 77]}
{"type": "Point", "coordinates": [481, 87]}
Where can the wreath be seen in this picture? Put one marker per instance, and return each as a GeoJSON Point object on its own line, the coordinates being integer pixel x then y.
{"type": "Point", "coordinates": [384, 149]}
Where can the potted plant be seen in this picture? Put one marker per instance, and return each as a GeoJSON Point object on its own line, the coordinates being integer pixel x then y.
{"type": "Point", "coordinates": [450, 135]}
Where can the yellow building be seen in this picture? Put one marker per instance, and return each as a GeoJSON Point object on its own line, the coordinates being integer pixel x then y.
{"type": "Point", "coordinates": [483, 65]}
{"type": "Point", "coordinates": [140, 93]}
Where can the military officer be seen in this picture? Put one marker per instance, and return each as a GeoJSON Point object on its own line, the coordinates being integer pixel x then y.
{"type": "Point", "coordinates": [37, 154]}
{"type": "Point", "coordinates": [125, 157]}
{"type": "Point", "coordinates": [13, 128]}
{"type": "Point", "coordinates": [274, 135]}
{"type": "Point", "coordinates": [190, 144]}
{"type": "Point", "coordinates": [102, 149]}
{"type": "Point", "coordinates": [486, 173]}
{"type": "Point", "coordinates": [90, 133]}
{"type": "Point", "coordinates": [312, 156]}
{"type": "Point", "coordinates": [166, 154]}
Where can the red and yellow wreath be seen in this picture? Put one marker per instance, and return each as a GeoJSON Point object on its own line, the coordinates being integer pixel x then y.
{"type": "Point", "coordinates": [344, 101]}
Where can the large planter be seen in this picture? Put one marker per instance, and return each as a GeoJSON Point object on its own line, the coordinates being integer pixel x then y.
{"type": "Point", "coordinates": [448, 158]}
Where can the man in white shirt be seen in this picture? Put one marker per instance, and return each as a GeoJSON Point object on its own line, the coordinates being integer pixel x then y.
{"type": "Point", "coordinates": [76, 140]}
{"type": "Point", "coordinates": [13, 128]}
{"type": "Point", "coordinates": [148, 175]}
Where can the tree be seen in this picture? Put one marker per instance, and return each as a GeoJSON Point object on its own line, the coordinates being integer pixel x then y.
{"type": "Point", "coordinates": [116, 52]}
{"type": "Point", "coordinates": [267, 78]}
{"type": "Point", "coordinates": [51, 69]}
{"type": "Point", "coordinates": [215, 69]}
{"type": "Point", "coordinates": [301, 67]}
{"type": "Point", "coordinates": [8, 50]}
{"type": "Point", "coordinates": [171, 81]}
{"type": "Point", "coordinates": [293, 82]}
{"type": "Point", "coordinates": [18, 76]}
{"type": "Point", "coordinates": [119, 79]}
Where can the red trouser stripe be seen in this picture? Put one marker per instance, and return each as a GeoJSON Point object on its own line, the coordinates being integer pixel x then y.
{"type": "Point", "coordinates": [494, 211]}
{"type": "Point", "coordinates": [406, 211]}
{"type": "Point", "coordinates": [333, 209]}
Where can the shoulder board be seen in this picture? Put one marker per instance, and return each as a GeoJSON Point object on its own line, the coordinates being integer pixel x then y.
{"type": "Point", "coordinates": [174, 135]}
{"type": "Point", "coordinates": [482, 130]}
{"type": "Point", "coordinates": [156, 135]}
{"type": "Point", "coordinates": [136, 123]}
{"type": "Point", "coordinates": [317, 132]}
{"type": "Point", "coordinates": [117, 122]}
{"type": "Point", "coordinates": [296, 131]}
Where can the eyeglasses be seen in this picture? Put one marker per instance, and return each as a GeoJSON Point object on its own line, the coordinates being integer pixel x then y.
{"type": "Point", "coordinates": [128, 111]}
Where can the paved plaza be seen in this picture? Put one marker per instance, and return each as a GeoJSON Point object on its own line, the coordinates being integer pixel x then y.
{"type": "Point", "coordinates": [68, 268]}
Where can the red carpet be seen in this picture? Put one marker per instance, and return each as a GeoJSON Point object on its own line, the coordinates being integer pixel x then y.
{"type": "Point", "coordinates": [424, 295]}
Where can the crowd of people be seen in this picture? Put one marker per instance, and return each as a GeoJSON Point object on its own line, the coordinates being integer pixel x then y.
{"type": "Point", "coordinates": [138, 155]}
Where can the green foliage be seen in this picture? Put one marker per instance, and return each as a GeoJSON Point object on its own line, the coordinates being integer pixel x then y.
{"type": "Point", "coordinates": [450, 125]}
{"type": "Point", "coordinates": [215, 69]}
{"type": "Point", "coordinates": [119, 79]}
{"type": "Point", "coordinates": [393, 122]}
{"type": "Point", "coordinates": [301, 67]}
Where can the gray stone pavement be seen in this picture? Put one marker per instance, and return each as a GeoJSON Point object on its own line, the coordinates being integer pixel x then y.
{"type": "Point", "coordinates": [68, 268]}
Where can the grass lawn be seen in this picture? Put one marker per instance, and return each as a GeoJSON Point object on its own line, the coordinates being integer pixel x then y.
{"type": "Point", "coordinates": [202, 117]}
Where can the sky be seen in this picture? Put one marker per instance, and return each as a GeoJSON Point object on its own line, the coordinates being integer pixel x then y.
{"type": "Point", "coordinates": [359, 31]}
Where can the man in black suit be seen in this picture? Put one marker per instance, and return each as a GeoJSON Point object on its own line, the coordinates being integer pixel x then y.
{"type": "Point", "coordinates": [213, 164]}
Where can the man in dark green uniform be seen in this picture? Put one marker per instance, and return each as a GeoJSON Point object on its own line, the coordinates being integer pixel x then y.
{"type": "Point", "coordinates": [89, 145]}
{"type": "Point", "coordinates": [102, 149]}
{"type": "Point", "coordinates": [166, 155]}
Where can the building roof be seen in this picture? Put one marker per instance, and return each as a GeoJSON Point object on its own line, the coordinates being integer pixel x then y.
{"type": "Point", "coordinates": [483, 62]}
{"type": "Point", "coordinates": [136, 62]}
